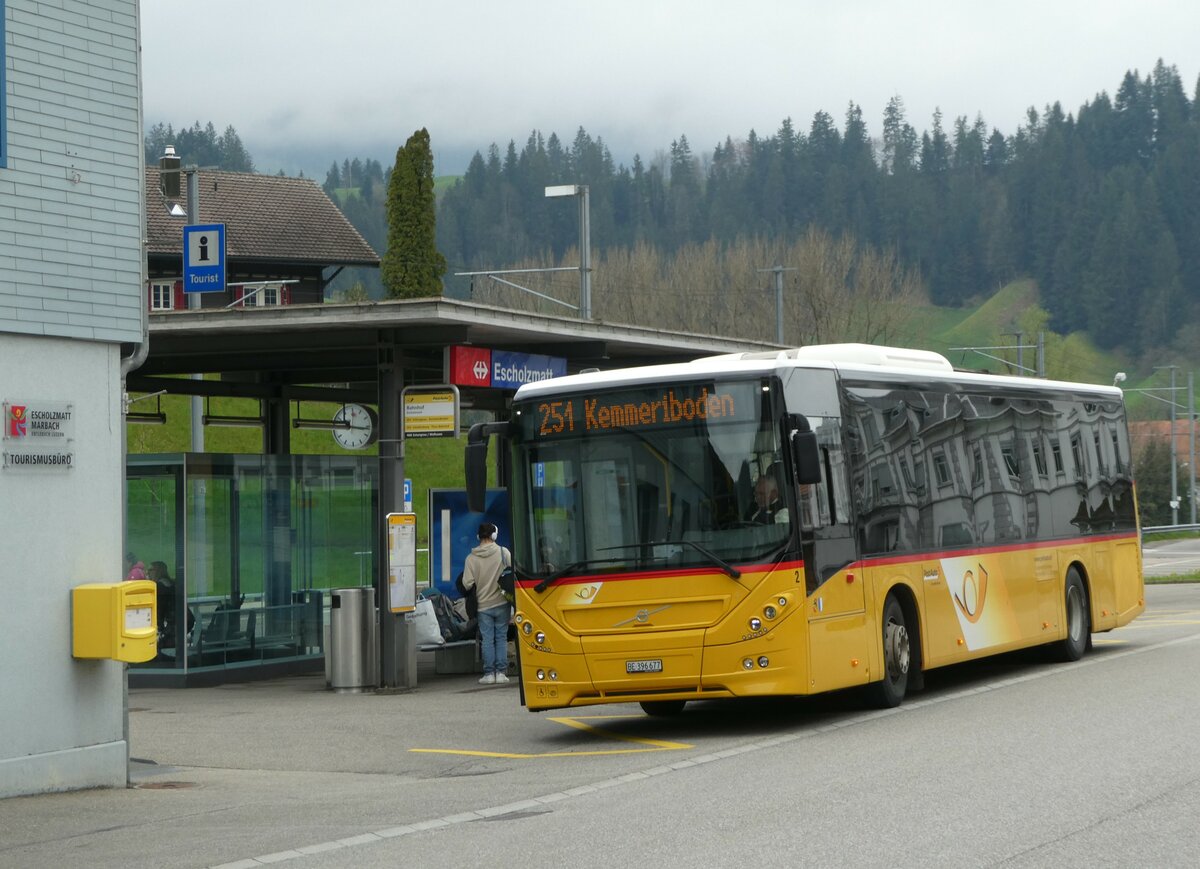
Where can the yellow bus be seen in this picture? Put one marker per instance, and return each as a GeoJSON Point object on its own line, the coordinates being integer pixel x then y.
{"type": "Point", "coordinates": [807, 520]}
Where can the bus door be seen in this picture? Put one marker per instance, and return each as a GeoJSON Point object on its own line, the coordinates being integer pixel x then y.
{"type": "Point", "coordinates": [836, 613]}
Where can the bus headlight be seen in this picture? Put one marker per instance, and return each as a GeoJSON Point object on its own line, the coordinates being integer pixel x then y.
{"type": "Point", "coordinates": [539, 638]}
{"type": "Point", "coordinates": [527, 628]}
{"type": "Point", "coordinates": [747, 664]}
{"type": "Point", "coordinates": [755, 623]}
{"type": "Point", "coordinates": [769, 611]}
{"type": "Point", "coordinates": [764, 662]}
{"type": "Point", "coordinates": [553, 675]}
{"type": "Point", "coordinates": [541, 675]}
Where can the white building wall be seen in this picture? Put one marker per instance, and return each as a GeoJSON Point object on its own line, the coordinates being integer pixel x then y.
{"type": "Point", "coordinates": [70, 291]}
{"type": "Point", "coordinates": [62, 720]}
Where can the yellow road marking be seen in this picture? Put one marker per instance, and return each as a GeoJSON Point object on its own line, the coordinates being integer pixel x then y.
{"type": "Point", "coordinates": [578, 724]}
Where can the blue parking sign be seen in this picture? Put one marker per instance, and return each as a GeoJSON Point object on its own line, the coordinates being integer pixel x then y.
{"type": "Point", "coordinates": [204, 258]}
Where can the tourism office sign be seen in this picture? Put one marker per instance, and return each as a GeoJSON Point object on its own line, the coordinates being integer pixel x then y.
{"type": "Point", "coordinates": [38, 435]}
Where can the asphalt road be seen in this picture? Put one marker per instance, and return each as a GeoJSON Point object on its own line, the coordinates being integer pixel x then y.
{"type": "Point", "coordinates": [1013, 762]}
{"type": "Point", "coordinates": [1174, 556]}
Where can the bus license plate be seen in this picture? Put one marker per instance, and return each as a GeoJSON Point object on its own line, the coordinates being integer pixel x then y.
{"type": "Point", "coordinates": [653, 666]}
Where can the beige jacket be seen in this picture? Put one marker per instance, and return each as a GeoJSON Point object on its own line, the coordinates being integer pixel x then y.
{"type": "Point", "coordinates": [481, 571]}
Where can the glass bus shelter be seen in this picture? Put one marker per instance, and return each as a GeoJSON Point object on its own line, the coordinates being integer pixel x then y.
{"type": "Point", "coordinates": [243, 549]}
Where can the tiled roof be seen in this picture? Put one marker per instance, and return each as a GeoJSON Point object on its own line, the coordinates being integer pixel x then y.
{"type": "Point", "coordinates": [266, 217]}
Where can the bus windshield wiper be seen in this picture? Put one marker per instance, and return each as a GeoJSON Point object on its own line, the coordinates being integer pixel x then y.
{"type": "Point", "coordinates": [716, 560]}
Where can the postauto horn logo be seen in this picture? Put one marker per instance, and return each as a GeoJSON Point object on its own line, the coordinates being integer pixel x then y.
{"type": "Point", "coordinates": [17, 421]}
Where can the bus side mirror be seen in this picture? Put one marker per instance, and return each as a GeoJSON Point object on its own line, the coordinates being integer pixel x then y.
{"type": "Point", "coordinates": [475, 461]}
{"type": "Point", "coordinates": [806, 455]}
{"type": "Point", "coordinates": [475, 469]}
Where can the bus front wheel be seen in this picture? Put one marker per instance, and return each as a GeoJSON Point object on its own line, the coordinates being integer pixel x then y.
{"type": "Point", "coordinates": [889, 691]}
{"type": "Point", "coordinates": [1078, 618]}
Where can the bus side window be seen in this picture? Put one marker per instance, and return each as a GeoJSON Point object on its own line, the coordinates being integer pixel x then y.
{"type": "Point", "coordinates": [827, 503]}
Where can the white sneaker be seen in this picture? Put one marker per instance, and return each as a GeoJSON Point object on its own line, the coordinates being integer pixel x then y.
{"type": "Point", "coordinates": [501, 678]}
{"type": "Point", "coordinates": [488, 679]}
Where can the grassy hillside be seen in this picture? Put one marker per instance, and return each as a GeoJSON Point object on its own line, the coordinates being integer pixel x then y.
{"type": "Point", "coordinates": [1016, 307]}
{"type": "Point", "coordinates": [996, 322]}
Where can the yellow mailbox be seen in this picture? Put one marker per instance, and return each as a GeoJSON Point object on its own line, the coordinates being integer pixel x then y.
{"type": "Point", "coordinates": [117, 620]}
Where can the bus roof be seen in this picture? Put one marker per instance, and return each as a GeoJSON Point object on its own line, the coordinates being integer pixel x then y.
{"type": "Point", "coordinates": [852, 360]}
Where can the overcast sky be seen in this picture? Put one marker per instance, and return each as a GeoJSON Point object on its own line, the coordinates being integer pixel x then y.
{"type": "Point", "coordinates": [307, 83]}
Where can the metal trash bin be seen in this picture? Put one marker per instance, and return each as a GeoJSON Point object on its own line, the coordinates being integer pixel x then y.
{"type": "Point", "coordinates": [352, 648]}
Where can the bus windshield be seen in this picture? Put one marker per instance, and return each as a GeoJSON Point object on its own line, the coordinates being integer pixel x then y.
{"type": "Point", "coordinates": [686, 475]}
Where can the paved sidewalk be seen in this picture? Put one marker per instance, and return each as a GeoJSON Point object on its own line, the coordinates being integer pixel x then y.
{"type": "Point", "coordinates": [223, 773]}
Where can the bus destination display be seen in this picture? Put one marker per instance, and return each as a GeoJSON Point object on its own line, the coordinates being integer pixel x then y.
{"type": "Point", "coordinates": [579, 414]}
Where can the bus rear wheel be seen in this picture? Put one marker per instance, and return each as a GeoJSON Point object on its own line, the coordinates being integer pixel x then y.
{"type": "Point", "coordinates": [662, 708]}
{"type": "Point", "coordinates": [889, 691]}
{"type": "Point", "coordinates": [1078, 619]}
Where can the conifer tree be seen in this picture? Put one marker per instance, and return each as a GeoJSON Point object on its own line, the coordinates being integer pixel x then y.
{"type": "Point", "coordinates": [412, 266]}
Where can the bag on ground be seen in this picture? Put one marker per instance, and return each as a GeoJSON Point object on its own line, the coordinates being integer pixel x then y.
{"type": "Point", "coordinates": [425, 624]}
{"type": "Point", "coordinates": [451, 626]}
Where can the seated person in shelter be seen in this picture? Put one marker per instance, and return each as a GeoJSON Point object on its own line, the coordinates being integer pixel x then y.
{"type": "Point", "coordinates": [768, 506]}
{"type": "Point", "coordinates": [166, 604]}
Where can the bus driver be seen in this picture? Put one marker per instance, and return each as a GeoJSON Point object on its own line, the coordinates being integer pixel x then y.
{"type": "Point", "coordinates": [769, 506]}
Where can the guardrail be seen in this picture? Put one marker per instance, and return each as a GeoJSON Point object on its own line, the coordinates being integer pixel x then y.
{"type": "Point", "coordinates": [1166, 529]}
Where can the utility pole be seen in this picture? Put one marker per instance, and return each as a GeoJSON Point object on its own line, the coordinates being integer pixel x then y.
{"type": "Point", "coordinates": [1020, 349]}
{"type": "Point", "coordinates": [1191, 406]}
{"type": "Point", "coordinates": [1174, 473]}
{"type": "Point", "coordinates": [778, 270]}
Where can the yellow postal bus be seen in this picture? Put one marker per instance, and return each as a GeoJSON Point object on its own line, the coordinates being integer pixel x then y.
{"type": "Point", "coordinates": [808, 520]}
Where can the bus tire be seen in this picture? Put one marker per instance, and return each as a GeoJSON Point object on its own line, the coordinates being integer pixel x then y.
{"type": "Point", "coordinates": [889, 691]}
{"type": "Point", "coordinates": [1078, 619]}
{"type": "Point", "coordinates": [662, 708]}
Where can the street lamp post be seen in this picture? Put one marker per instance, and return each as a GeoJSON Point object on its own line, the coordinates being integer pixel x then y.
{"type": "Point", "coordinates": [585, 242]}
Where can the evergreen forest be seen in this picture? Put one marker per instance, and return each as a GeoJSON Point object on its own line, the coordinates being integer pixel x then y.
{"type": "Point", "coordinates": [1099, 206]}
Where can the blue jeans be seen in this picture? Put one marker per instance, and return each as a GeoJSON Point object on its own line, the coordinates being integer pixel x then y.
{"type": "Point", "coordinates": [493, 633]}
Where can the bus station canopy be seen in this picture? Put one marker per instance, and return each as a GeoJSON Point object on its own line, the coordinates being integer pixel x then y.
{"type": "Point", "coordinates": [270, 352]}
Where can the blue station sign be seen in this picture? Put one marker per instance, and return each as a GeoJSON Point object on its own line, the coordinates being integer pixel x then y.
{"type": "Point", "coordinates": [204, 258]}
{"type": "Point", "coordinates": [512, 370]}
